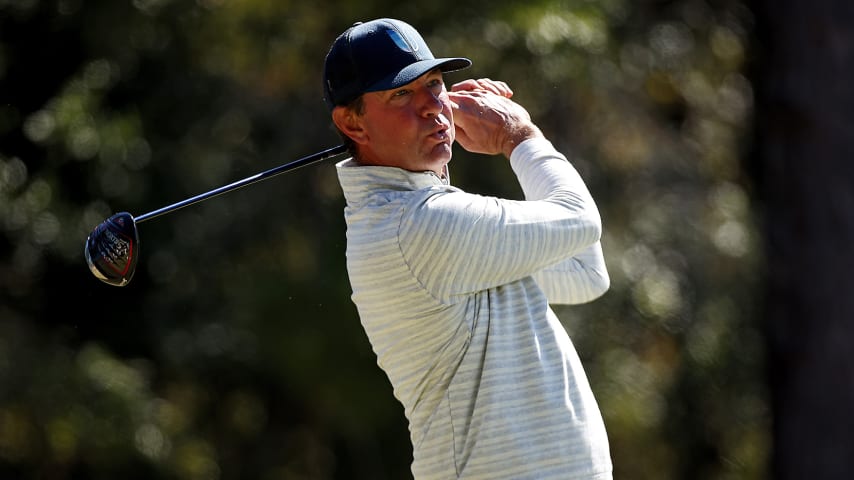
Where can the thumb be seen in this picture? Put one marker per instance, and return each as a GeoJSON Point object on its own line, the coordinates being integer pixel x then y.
{"type": "Point", "coordinates": [462, 137]}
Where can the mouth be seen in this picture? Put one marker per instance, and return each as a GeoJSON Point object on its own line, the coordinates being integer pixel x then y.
{"type": "Point", "coordinates": [442, 133]}
{"type": "Point", "coordinates": [440, 140]}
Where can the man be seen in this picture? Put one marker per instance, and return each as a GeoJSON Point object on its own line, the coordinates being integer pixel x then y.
{"type": "Point", "coordinates": [453, 288]}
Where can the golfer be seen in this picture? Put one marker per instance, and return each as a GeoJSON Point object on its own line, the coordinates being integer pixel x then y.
{"type": "Point", "coordinates": [453, 288]}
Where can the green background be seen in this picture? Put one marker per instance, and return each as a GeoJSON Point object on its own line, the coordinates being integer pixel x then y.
{"type": "Point", "coordinates": [235, 352]}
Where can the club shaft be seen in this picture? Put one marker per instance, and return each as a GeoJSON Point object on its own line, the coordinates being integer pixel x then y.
{"type": "Point", "coordinates": [246, 181]}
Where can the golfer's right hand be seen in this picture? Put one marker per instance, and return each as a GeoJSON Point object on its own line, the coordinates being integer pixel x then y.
{"type": "Point", "coordinates": [486, 120]}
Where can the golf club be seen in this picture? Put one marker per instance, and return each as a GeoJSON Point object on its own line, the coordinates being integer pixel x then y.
{"type": "Point", "coordinates": [112, 249]}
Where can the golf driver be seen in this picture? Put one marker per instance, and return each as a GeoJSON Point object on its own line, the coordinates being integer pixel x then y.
{"type": "Point", "coordinates": [112, 249]}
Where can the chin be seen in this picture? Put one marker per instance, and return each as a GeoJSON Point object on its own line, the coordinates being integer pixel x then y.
{"type": "Point", "coordinates": [443, 151]}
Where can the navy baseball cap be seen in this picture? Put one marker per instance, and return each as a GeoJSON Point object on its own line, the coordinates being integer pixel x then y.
{"type": "Point", "coordinates": [378, 55]}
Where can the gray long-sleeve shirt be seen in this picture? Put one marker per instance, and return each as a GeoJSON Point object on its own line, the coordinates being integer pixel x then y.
{"type": "Point", "coordinates": [453, 291]}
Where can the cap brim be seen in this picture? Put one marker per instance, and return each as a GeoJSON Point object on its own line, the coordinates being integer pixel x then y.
{"type": "Point", "coordinates": [415, 70]}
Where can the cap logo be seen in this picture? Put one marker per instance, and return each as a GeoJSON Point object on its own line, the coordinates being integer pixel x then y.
{"type": "Point", "coordinates": [400, 42]}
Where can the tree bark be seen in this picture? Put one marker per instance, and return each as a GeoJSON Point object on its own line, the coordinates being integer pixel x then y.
{"type": "Point", "coordinates": [803, 168]}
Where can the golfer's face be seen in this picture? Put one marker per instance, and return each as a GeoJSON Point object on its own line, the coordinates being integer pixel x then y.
{"type": "Point", "coordinates": [410, 127]}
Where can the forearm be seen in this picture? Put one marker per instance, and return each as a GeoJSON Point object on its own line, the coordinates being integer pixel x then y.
{"type": "Point", "coordinates": [579, 279]}
{"type": "Point", "coordinates": [545, 174]}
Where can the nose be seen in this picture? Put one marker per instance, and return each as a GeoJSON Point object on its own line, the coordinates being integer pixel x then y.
{"type": "Point", "coordinates": [432, 104]}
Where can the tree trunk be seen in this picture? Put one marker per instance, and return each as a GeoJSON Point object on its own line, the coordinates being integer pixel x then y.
{"type": "Point", "coordinates": [804, 171]}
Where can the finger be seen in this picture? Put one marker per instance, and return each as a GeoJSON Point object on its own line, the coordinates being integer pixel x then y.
{"type": "Point", "coordinates": [493, 86]}
{"type": "Point", "coordinates": [489, 85]}
{"type": "Point", "coordinates": [483, 84]}
{"type": "Point", "coordinates": [465, 108]}
{"type": "Point", "coordinates": [498, 87]}
{"type": "Point", "coordinates": [504, 89]}
{"type": "Point", "coordinates": [469, 84]}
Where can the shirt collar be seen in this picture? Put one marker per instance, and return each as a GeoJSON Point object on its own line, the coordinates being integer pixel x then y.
{"type": "Point", "coordinates": [359, 181]}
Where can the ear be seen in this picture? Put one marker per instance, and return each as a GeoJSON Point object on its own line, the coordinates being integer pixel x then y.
{"type": "Point", "coordinates": [349, 123]}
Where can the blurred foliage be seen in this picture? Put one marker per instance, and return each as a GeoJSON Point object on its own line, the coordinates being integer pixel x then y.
{"type": "Point", "coordinates": [235, 352]}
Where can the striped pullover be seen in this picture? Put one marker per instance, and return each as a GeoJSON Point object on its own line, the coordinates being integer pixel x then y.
{"type": "Point", "coordinates": [453, 292]}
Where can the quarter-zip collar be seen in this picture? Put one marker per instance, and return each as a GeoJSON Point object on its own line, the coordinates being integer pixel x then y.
{"type": "Point", "coordinates": [359, 182]}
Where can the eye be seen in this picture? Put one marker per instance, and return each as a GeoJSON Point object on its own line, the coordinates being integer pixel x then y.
{"type": "Point", "coordinates": [401, 93]}
{"type": "Point", "coordinates": [436, 82]}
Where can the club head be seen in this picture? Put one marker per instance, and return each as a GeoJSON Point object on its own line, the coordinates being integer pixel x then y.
{"type": "Point", "coordinates": [112, 249]}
